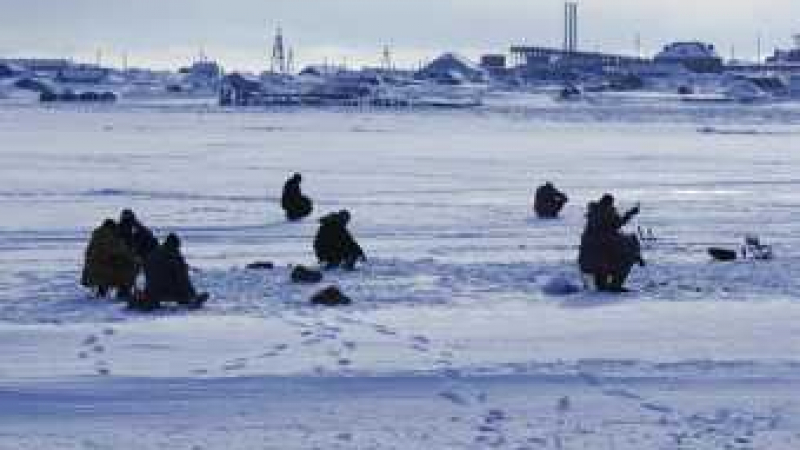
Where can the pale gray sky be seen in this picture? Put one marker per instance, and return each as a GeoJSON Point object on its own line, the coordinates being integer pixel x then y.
{"type": "Point", "coordinates": [167, 33]}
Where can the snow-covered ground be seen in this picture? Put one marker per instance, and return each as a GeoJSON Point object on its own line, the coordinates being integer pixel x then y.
{"type": "Point", "coordinates": [453, 341]}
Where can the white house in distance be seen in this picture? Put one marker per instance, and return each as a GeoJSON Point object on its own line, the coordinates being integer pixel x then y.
{"type": "Point", "coordinates": [453, 67]}
{"type": "Point", "coordinates": [695, 56]}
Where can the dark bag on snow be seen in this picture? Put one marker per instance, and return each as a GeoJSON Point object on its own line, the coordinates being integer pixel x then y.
{"type": "Point", "coordinates": [302, 274]}
{"type": "Point", "coordinates": [330, 296]}
{"type": "Point", "coordinates": [261, 265]}
{"type": "Point", "coordinates": [722, 254]}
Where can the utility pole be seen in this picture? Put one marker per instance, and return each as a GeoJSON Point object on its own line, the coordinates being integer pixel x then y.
{"type": "Point", "coordinates": [758, 49]}
{"type": "Point", "coordinates": [638, 44]}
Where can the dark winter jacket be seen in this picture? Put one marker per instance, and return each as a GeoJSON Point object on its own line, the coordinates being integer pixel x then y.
{"type": "Point", "coordinates": [603, 219]}
{"type": "Point", "coordinates": [549, 201]}
{"type": "Point", "coordinates": [296, 205]}
{"type": "Point", "coordinates": [334, 244]}
{"type": "Point", "coordinates": [604, 249]}
{"type": "Point", "coordinates": [109, 262]}
{"type": "Point", "coordinates": [138, 238]}
{"type": "Point", "coordinates": [167, 276]}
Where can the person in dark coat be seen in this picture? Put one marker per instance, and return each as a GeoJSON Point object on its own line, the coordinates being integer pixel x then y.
{"type": "Point", "coordinates": [334, 245]}
{"type": "Point", "coordinates": [137, 237]}
{"type": "Point", "coordinates": [109, 263]}
{"type": "Point", "coordinates": [549, 201]}
{"type": "Point", "coordinates": [167, 278]}
{"type": "Point", "coordinates": [605, 252]}
{"type": "Point", "coordinates": [296, 205]}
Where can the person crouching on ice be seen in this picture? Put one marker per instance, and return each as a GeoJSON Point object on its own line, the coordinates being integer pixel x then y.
{"type": "Point", "coordinates": [167, 279]}
{"type": "Point", "coordinates": [548, 201]}
{"type": "Point", "coordinates": [296, 205]}
{"type": "Point", "coordinates": [606, 252]}
{"type": "Point", "coordinates": [109, 263]}
{"type": "Point", "coordinates": [334, 245]}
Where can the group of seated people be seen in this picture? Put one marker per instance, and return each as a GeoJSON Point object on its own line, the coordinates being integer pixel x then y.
{"type": "Point", "coordinates": [118, 252]}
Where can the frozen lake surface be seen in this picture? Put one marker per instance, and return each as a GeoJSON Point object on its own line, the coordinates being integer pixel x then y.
{"type": "Point", "coordinates": [452, 341]}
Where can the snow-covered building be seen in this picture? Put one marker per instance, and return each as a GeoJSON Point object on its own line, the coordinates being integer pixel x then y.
{"type": "Point", "coordinates": [790, 56]}
{"type": "Point", "coordinates": [203, 75]}
{"type": "Point", "coordinates": [39, 65]}
{"type": "Point", "coordinates": [695, 56]}
{"type": "Point", "coordinates": [238, 89]}
{"type": "Point", "coordinates": [453, 67]}
{"type": "Point", "coordinates": [82, 73]}
{"type": "Point", "coordinates": [8, 70]}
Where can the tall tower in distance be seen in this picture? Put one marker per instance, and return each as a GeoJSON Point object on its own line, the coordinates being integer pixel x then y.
{"type": "Point", "coordinates": [386, 59]}
{"type": "Point", "coordinates": [280, 58]}
{"type": "Point", "coordinates": [571, 26]}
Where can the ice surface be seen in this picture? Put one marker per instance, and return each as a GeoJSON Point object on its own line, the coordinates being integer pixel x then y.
{"type": "Point", "coordinates": [453, 340]}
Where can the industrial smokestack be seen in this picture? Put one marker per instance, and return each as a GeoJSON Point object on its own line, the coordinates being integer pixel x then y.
{"type": "Point", "coordinates": [574, 27]}
{"type": "Point", "coordinates": [566, 26]}
{"type": "Point", "coordinates": [570, 26]}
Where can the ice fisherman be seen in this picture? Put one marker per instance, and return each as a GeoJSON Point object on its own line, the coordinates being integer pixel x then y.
{"type": "Point", "coordinates": [548, 201]}
{"type": "Point", "coordinates": [109, 262]}
{"type": "Point", "coordinates": [334, 245]}
{"type": "Point", "coordinates": [139, 239]}
{"type": "Point", "coordinates": [606, 252]}
{"type": "Point", "coordinates": [167, 278]}
{"type": "Point", "coordinates": [296, 205]}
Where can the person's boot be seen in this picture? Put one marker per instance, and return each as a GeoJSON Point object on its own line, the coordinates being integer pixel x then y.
{"type": "Point", "coordinates": [618, 281]}
{"type": "Point", "coordinates": [601, 282]}
{"type": "Point", "coordinates": [349, 264]}
{"type": "Point", "coordinates": [124, 293]}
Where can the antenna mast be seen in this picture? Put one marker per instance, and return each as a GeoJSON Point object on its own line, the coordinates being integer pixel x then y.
{"type": "Point", "coordinates": [279, 61]}
{"type": "Point", "coordinates": [386, 58]}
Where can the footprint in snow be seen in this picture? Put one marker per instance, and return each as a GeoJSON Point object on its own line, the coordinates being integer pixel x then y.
{"type": "Point", "coordinates": [454, 397]}
{"type": "Point", "coordinates": [109, 331]}
{"type": "Point", "coordinates": [344, 437]}
{"type": "Point", "coordinates": [90, 340]}
{"type": "Point", "coordinates": [495, 416]}
{"type": "Point", "coordinates": [234, 365]}
{"type": "Point", "coordinates": [275, 351]}
{"type": "Point", "coordinates": [621, 393]}
{"type": "Point", "coordinates": [385, 330]}
{"type": "Point", "coordinates": [656, 407]}
{"type": "Point", "coordinates": [349, 345]}
{"type": "Point", "coordinates": [420, 339]}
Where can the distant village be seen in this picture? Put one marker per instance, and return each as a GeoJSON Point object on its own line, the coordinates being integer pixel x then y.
{"type": "Point", "coordinates": [685, 71]}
